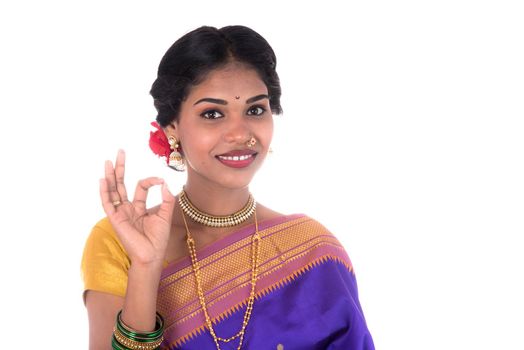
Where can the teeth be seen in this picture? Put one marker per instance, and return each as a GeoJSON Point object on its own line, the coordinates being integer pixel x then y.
{"type": "Point", "coordinates": [236, 158]}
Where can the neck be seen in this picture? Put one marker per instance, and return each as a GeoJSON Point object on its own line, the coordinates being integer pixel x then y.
{"type": "Point", "coordinates": [215, 200]}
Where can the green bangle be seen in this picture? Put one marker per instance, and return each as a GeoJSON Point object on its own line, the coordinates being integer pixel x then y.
{"type": "Point", "coordinates": [116, 345]}
{"type": "Point", "coordinates": [135, 335]}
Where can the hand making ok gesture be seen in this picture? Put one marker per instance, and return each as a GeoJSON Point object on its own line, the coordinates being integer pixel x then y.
{"type": "Point", "coordinates": [144, 234]}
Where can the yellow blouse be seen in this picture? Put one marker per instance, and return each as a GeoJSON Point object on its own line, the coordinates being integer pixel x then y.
{"type": "Point", "coordinates": [105, 262]}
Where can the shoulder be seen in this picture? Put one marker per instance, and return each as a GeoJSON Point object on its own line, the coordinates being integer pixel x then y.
{"type": "Point", "coordinates": [104, 261]}
{"type": "Point", "coordinates": [309, 227]}
{"type": "Point", "coordinates": [299, 228]}
{"type": "Point", "coordinates": [311, 235]}
{"type": "Point", "coordinates": [301, 222]}
{"type": "Point", "coordinates": [103, 235]}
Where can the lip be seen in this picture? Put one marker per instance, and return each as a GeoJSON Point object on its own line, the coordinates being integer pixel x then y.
{"type": "Point", "coordinates": [247, 155]}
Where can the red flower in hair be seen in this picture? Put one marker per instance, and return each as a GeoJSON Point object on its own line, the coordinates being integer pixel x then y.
{"type": "Point", "coordinates": [158, 142]}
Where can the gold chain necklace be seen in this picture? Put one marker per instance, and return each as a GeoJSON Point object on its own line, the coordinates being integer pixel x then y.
{"type": "Point", "coordinates": [255, 254]}
{"type": "Point", "coordinates": [213, 220]}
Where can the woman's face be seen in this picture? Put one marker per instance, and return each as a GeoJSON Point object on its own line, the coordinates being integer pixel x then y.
{"type": "Point", "coordinates": [217, 121]}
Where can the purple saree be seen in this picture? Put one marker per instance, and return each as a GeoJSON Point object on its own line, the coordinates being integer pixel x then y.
{"type": "Point", "coordinates": [306, 294]}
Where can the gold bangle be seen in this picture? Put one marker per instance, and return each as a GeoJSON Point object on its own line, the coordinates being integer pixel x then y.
{"type": "Point", "coordinates": [135, 345]}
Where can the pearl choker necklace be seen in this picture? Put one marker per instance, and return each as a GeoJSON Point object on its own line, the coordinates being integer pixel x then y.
{"type": "Point", "coordinates": [216, 221]}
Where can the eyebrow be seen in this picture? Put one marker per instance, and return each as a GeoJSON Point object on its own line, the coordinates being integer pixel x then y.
{"type": "Point", "coordinates": [224, 102]}
{"type": "Point", "coordinates": [256, 98]}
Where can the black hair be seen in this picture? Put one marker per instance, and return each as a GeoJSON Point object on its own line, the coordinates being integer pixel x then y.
{"type": "Point", "coordinates": [194, 55]}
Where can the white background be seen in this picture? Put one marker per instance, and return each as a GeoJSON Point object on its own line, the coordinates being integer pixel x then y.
{"type": "Point", "coordinates": [402, 133]}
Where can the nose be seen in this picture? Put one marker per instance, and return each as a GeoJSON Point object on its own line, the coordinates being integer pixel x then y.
{"type": "Point", "coordinates": [237, 130]}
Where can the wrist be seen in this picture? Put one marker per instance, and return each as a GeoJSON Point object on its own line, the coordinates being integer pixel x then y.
{"type": "Point", "coordinates": [147, 267]}
{"type": "Point", "coordinates": [143, 280]}
{"type": "Point", "coordinates": [141, 295]}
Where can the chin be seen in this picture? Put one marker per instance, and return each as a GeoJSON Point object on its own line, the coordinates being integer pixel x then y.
{"type": "Point", "coordinates": [224, 177]}
{"type": "Point", "coordinates": [233, 182]}
{"type": "Point", "coordinates": [236, 182]}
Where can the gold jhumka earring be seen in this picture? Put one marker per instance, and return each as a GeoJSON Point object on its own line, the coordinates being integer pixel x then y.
{"type": "Point", "coordinates": [176, 161]}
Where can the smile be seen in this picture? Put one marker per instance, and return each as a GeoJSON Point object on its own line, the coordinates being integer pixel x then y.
{"type": "Point", "coordinates": [237, 160]}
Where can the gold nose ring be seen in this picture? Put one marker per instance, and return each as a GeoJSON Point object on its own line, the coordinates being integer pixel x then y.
{"type": "Point", "coordinates": [251, 142]}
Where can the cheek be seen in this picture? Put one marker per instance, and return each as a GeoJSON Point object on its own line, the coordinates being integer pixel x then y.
{"type": "Point", "coordinates": [198, 146]}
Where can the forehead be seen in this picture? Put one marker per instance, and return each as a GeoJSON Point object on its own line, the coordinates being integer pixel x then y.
{"type": "Point", "coordinates": [229, 81]}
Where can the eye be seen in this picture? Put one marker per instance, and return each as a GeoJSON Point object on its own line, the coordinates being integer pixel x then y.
{"type": "Point", "coordinates": [256, 110]}
{"type": "Point", "coordinates": [211, 114]}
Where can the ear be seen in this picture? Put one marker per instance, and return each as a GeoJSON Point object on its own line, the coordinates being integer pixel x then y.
{"type": "Point", "coordinates": [172, 130]}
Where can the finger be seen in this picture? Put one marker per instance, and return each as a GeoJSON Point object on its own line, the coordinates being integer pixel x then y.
{"type": "Point", "coordinates": [119, 175]}
{"type": "Point", "coordinates": [107, 202]}
{"type": "Point", "coordinates": [168, 204]}
{"type": "Point", "coordinates": [111, 182]}
{"type": "Point", "coordinates": [142, 188]}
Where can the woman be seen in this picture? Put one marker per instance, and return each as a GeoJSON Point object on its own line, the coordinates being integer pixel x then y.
{"type": "Point", "coordinates": [211, 268]}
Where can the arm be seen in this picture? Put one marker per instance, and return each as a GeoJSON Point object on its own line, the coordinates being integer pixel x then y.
{"type": "Point", "coordinates": [139, 307]}
{"type": "Point", "coordinates": [356, 335]}
{"type": "Point", "coordinates": [101, 310]}
{"type": "Point", "coordinates": [144, 236]}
